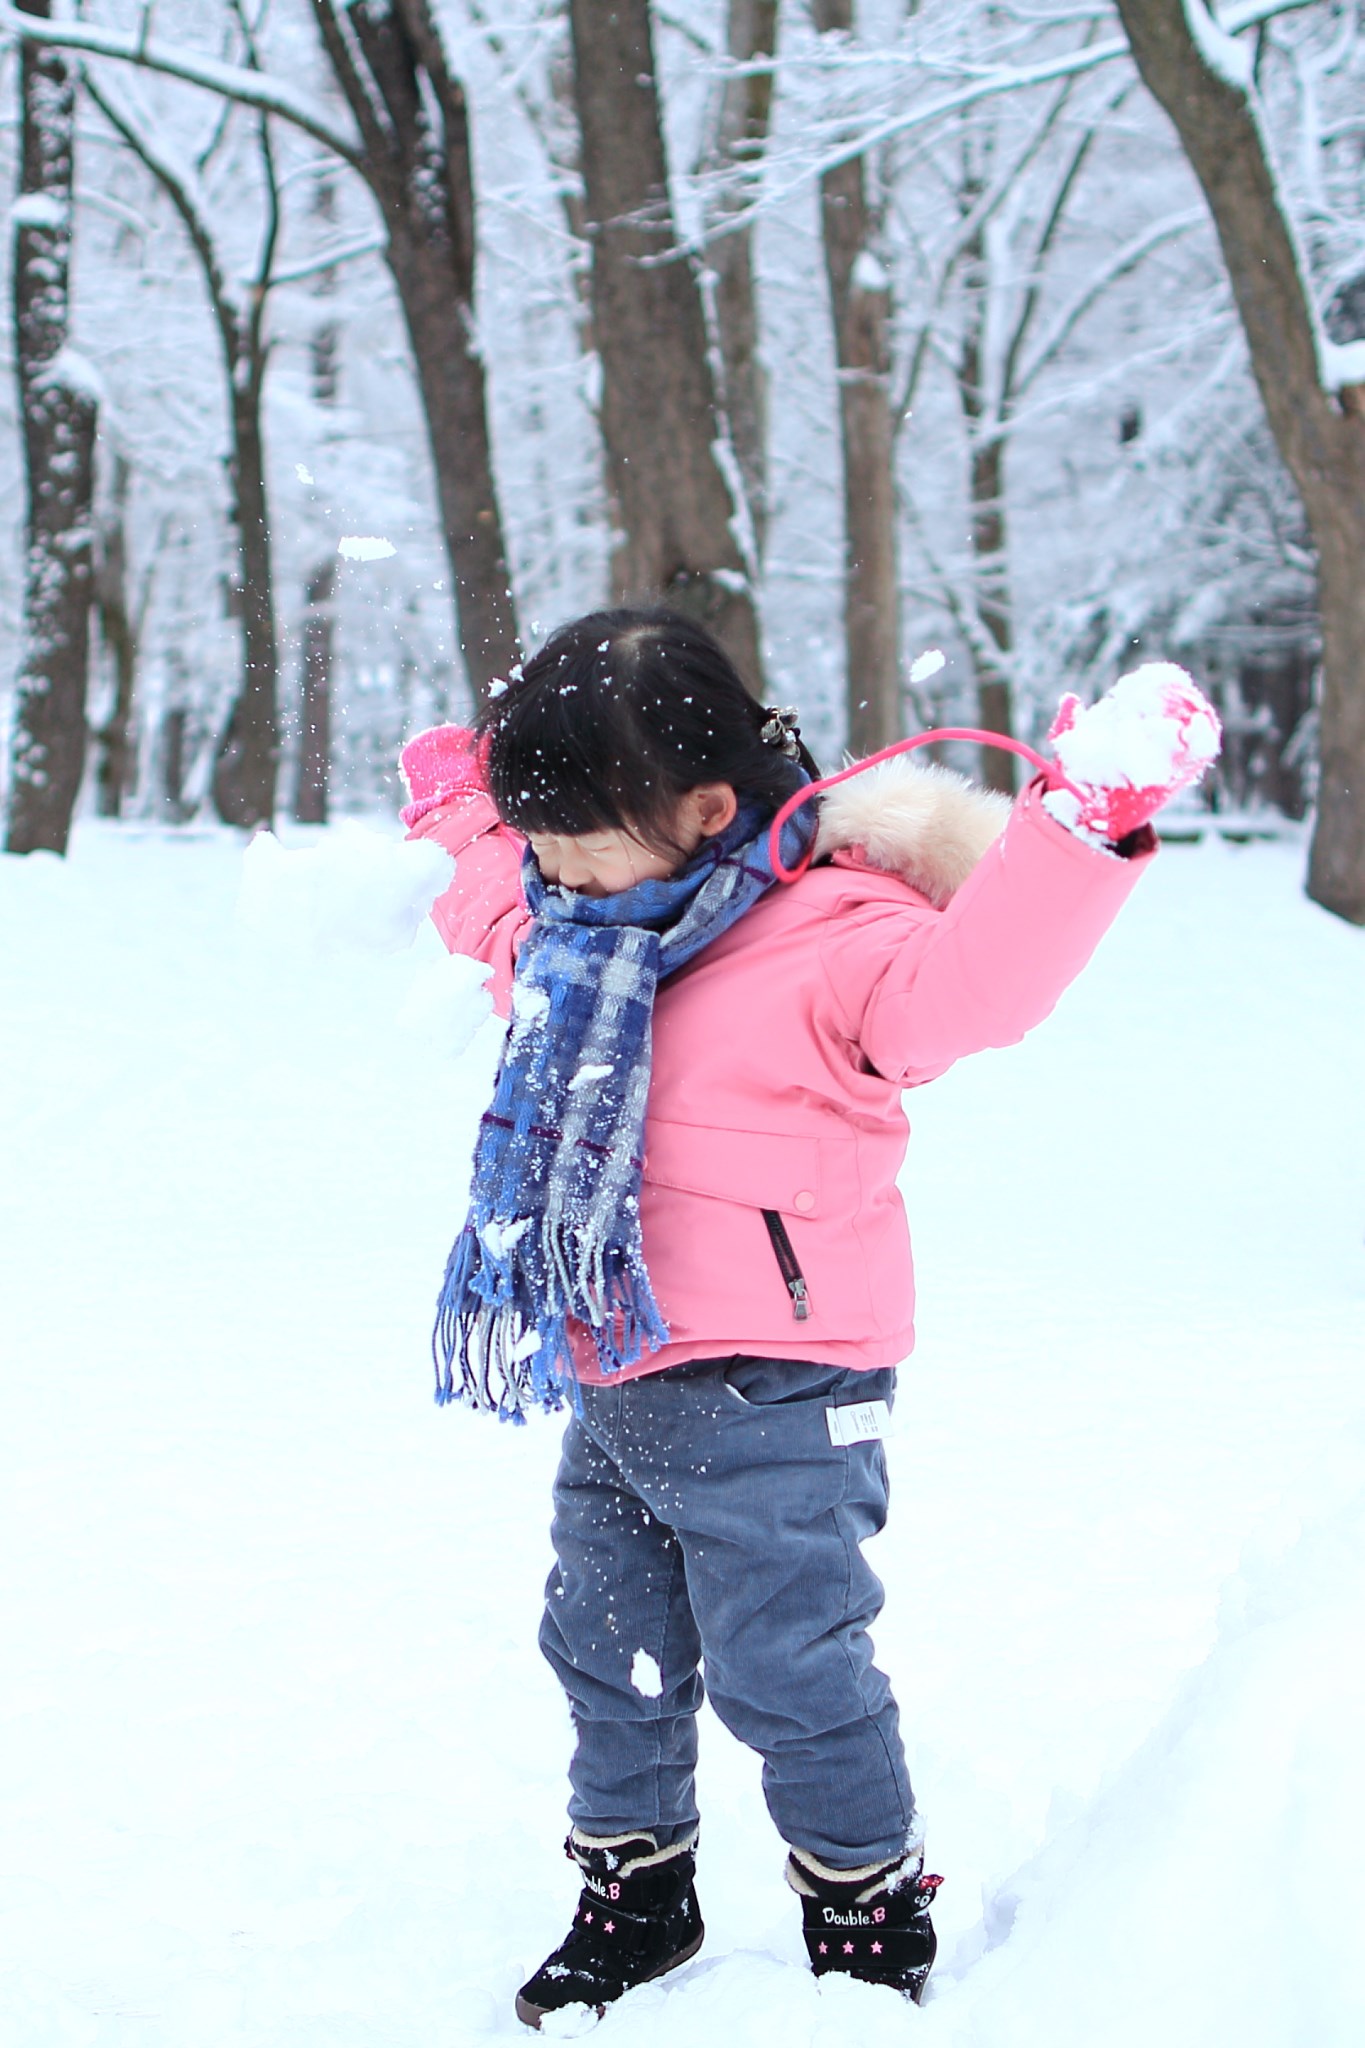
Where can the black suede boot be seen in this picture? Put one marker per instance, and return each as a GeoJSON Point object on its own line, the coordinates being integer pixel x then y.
{"type": "Point", "coordinates": [871, 1923]}
{"type": "Point", "coordinates": [637, 1918]}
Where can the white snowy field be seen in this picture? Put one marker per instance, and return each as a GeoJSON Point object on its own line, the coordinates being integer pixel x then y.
{"type": "Point", "coordinates": [279, 1764]}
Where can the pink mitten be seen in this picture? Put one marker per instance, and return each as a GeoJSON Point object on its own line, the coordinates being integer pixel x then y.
{"type": "Point", "coordinates": [442, 762]}
{"type": "Point", "coordinates": [1120, 759]}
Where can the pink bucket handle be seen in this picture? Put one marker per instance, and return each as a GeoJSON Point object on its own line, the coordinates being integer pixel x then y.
{"type": "Point", "coordinates": [922, 739]}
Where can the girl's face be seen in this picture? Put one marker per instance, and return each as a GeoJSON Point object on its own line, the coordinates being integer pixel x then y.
{"type": "Point", "coordinates": [605, 862]}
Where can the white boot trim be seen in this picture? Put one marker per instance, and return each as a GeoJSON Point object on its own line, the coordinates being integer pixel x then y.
{"type": "Point", "coordinates": [634, 1863]}
{"type": "Point", "coordinates": [887, 1876]}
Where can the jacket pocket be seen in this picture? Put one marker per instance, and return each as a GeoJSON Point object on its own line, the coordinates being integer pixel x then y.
{"type": "Point", "coordinates": [715, 1264]}
{"type": "Point", "coordinates": [759, 1169]}
{"type": "Point", "coordinates": [765, 1170]}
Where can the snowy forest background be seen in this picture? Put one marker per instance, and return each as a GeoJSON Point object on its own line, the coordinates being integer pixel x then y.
{"type": "Point", "coordinates": [968, 367]}
{"type": "Point", "coordinates": [1077, 461]}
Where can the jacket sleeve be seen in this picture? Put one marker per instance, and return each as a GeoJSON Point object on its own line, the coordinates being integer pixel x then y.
{"type": "Point", "coordinates": [937, 985]}
{"type": "Point", "coordinates": [483, 912]}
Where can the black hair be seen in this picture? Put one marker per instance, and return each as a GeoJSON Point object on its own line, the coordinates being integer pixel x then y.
{"type": "Point", "coordinates": [616, 718]}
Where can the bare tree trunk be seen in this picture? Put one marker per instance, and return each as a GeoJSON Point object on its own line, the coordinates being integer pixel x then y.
{"type": "Point", "coordinates": [246, 767]}
{"type": "Point", "coordinates": [1321, 438]}
{"type": "Point", "coordinates": [659, 414]}
{"type": "Point", "coordinates": [390, 62]}
{"type": "Point", "coordinates": [59, 415]}
{"type": "Point", "coordinates": [311, 796]}
{"type": "Point", "coordinates": [174, 733]}
{"type": "Point", "coordinates": [994, 697]}
{"type": "Point", "coordinates": [861, 303]}
{"type": "Point", "coordinates": [992, 646]}
{"type": "Point", "coordinates": [742, 133]}
{"type": "Point", "coordinates": [116, 768]}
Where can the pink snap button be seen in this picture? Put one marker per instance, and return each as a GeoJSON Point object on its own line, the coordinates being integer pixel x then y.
{"type": "Point", "coordinates": [805, 1201]}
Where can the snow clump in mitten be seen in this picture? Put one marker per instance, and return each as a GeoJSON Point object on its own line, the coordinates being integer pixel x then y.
{"type": "Point", "coordinates": [1122, 758]}
{"type": "Point", "coordinates": [355, 891]}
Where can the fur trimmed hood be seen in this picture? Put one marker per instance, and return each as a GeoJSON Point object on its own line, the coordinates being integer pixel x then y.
{"type": "Point", "coordinates": [924, 823]}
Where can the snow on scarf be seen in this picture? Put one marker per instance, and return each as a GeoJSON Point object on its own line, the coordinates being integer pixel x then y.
{"type": "Point", "coordinates": [553, 1230]}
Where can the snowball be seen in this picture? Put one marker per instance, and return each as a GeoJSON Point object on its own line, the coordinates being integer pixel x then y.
{"type": "Point", "coordinates": [1151, 725]}
{"type": "Point", "coordinates": [927, 664]}
{"type": "Point", "coordinates": [646, 1676]}
{"type": "Point", "coordinates": [305, 476]}
{"type": "Point", "coordinates": [361, 547]}
{"type": "Point", "coordinates": [355, 891]}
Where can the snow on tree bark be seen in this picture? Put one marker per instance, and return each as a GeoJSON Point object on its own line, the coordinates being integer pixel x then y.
{"type": "Point", "coordinates": [860, 298]}
{"type": "Point", "coordinates": [59, 407]}
{"type": "Point", "coordinates": [991, 648]}
{"type": "Point", "coordinates": [659, 414]}
{"type": "Point", "coordinates": [1320, 434]}
{"type": "Point", "coordinates": [741, 134]}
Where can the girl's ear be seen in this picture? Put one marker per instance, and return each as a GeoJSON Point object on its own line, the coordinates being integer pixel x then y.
{"type": "Point", "coordinates": [715, 806]}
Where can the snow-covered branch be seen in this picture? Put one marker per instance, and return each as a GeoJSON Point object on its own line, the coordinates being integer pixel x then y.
{"type": "Point", "coordinates": [1009, 384]}
{"type": "Point", "coordinates": [328, 260]}
{"type": "Point", "coordinates": [181, 184]}
{"type": "Point", "coordinates": [1217, 45]}
{"type": "Point", "coordinates": [968, 232]}
{"type": "Point", "coordinates": [1049, 70]}
{"type": "Point", "coordinates": [233, 81]}
{"type": "Point", "coordinates": [1120, 265]}
{"type": "Point", "coordinates": [992, 82]}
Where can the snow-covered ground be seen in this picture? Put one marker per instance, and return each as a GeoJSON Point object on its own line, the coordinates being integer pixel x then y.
{"type": "Point", "coordinates": [279, 1763]}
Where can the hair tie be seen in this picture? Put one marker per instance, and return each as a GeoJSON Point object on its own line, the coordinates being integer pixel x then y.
{"type": "Point", "coordinates": [782, 730]}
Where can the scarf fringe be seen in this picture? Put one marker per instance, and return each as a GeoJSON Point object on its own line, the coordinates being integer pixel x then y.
{"type": "Point", "coordinates": [493, 1354]}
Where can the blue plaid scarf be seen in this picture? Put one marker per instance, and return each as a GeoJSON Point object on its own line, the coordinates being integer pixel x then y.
{"type": "Point", "coordinates": [553, 1230]}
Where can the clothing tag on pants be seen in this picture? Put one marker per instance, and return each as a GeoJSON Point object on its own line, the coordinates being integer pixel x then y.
{"type": "Point", "coordinates": [865, 1422]}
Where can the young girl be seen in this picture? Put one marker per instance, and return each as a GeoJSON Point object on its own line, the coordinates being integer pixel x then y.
{"type": "Point", "coordinates": [685, 1225]}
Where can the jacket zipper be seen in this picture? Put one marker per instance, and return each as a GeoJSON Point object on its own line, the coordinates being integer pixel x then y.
{"type": "Point", "coordinates": [788, 1265]}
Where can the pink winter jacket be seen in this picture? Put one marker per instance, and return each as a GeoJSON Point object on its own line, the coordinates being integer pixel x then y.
{"type": "Point", "coordinates": [780, 1052]}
